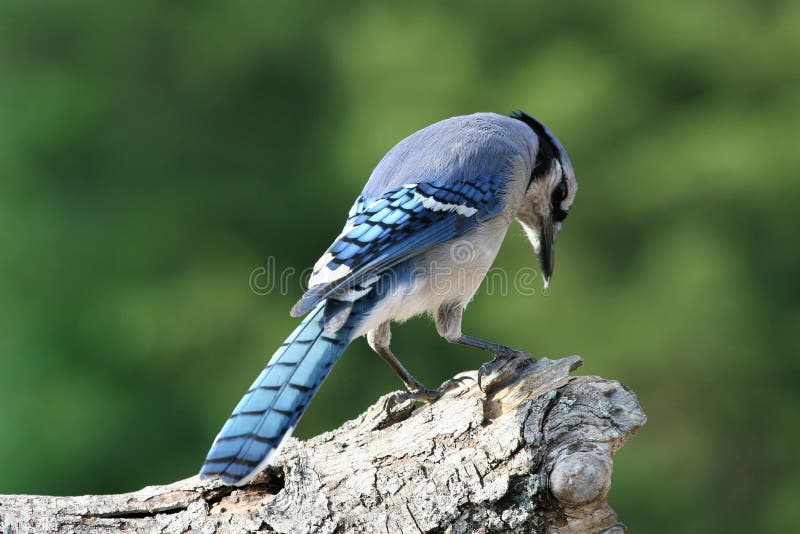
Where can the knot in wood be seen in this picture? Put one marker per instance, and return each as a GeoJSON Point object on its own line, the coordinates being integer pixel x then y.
{"type": "Point", "coordinates": [581, 478]}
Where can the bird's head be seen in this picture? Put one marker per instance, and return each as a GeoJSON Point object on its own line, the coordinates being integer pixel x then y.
{"type": "Point", "coordinates": [549, 195]}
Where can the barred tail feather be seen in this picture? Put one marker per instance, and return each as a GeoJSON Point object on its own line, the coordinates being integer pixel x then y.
{"type": "Point", "coordinates": [270, 409]}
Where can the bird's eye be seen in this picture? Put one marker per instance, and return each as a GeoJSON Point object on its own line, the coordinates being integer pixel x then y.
{"type": "Point", "coordinates": [560, 192]}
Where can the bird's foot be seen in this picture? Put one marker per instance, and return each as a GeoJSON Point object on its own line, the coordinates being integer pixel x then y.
{"type": "Point", "coordinates": [399, 405]}
{"type": "Point", "coordinates": [507, 353]}
{"type": "Point", "coordinates": [506, 364]}
{"type": "Point", "coordinates": [412, 396]}
{"type": "Point", "coordinates": [456, 383]}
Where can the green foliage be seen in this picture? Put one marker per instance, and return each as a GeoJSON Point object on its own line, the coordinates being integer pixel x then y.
{"type": "Point", "coordinates": [152, 155]}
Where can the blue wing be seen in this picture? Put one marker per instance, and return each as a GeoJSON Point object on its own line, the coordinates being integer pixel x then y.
{"type": "Point", "coordinates": [396, 226]}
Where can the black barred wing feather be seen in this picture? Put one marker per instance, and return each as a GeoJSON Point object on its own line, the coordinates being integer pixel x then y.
{"type": "Point", "coordinates": [401, 224]}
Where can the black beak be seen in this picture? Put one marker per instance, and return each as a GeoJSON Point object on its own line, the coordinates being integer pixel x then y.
{"type": "Point", "coordinates": [546, 250]}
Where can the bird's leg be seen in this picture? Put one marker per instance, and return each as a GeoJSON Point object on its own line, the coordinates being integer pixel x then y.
{"type": "Point", "coordinates": [501, 351]}
{"type": "Point", "coordinates": [448, 323]}
{"type": "Point", "coordinates": [379, 340]}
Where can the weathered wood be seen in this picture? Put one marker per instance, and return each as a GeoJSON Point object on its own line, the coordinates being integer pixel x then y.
{"type": "Point", "coordinates": [522, 447]}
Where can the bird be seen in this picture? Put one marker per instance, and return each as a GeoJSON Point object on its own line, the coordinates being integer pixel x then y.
{"type": "Point", "coordinates": [419, 239]}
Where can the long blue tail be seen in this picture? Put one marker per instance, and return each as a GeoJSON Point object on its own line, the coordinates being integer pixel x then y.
{"type": "Point", "coordinates": [270, 409]}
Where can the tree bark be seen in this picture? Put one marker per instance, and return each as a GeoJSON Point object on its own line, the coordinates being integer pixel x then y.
{"type": "Point", "coordinates": [522, 446]}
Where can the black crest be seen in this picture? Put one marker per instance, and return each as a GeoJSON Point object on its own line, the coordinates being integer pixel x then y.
{"type": "Point", "coordinates": [547, 154]}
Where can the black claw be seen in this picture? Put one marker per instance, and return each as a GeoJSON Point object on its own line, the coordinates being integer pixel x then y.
{"type": "Point", "coordinates": [394, 403]}
{"type": "Point", "coordinates": [419, 395]}
{"type": "Point", "coordinates": [507, 364]}
{"type": "Point", "coordinates": [456, 383]}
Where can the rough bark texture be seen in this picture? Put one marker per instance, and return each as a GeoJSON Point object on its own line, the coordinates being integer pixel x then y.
{"type": "Point", "coordinates": [522, 447]}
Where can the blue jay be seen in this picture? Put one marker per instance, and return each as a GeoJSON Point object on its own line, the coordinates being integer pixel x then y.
{"type": "Point", "coordinates": [419, 239]}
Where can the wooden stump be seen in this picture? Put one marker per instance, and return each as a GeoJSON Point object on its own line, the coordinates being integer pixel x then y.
{"type": "Point", "coordinates": [522, 447]}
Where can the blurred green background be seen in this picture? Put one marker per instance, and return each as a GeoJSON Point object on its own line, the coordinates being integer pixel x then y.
{"type": "Point", "coordinates": [152, 155]}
